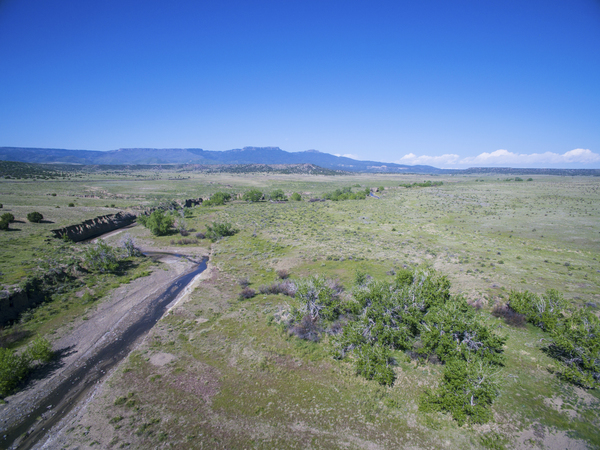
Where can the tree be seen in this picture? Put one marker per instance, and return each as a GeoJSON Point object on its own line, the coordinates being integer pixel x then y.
{"type": "Point", "coordinates": [158, 222]}
{"type": "Point", "coordinates": [278, 195]}
{"type": "Point", "coordinates": [8, 217]}
{"type": "Point", "coordinates": [253, 195]}
{"type": "Point", "coordinates": [296, 197]}
{"type": "Point", "coordinates": [4, 224]}
{"type": "Point", "coordinates": [35, 217]}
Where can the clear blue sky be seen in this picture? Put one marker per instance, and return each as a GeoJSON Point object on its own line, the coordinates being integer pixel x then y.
{"type": "Point", "coordinates": [445, 83]}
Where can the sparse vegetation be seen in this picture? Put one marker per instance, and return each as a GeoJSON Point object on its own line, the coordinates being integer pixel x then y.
{"type": "Point", "coordinates": [404, 378]}
{"type": "Point", "coordinates": [14, 367]}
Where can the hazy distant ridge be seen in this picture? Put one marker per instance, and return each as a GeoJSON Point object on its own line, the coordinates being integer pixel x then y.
{"type": "Point", "coordinates": [247, 155]}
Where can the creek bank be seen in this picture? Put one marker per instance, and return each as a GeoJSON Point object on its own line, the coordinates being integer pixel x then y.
{"type": "Point", "coordinates": [93, 348]}
{"type": "Point", "coordinates": [95, 227]}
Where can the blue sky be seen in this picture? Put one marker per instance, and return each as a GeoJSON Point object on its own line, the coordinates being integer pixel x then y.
{"type": "Point", "coordinates": [444, 83]}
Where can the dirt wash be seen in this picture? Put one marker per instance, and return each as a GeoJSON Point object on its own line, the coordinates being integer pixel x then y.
{"type": "Point", "coordinates": [82, 343]}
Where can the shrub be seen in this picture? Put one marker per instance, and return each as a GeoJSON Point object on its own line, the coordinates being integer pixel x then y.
{"type": "Point", "coordinates": [253, 195]}
{"type": "Point", "coordinates": [373, 363]}
{"type": "Point", "coordinates": [35, 217]}
{"type": "Point", "coordinates": [4, 225]}
{"type": "Point", "coordinates": [8, 217]}
{"type": "Point", "coordinates": [15, 367]}
{"type": "Point", "coordinates": [285, 287]}
{"type": "Point", "coordinates": [158, 223]}
{"type": "Point", "coordinates": [71, 205]}
{"type": "Point", "coordinates": [243, 282]}
{"type": "Point", "coordinates": [100, 257]}
{"type": "Point", "coordinates": [346, 194]}
{"type": "Point", "coordinates": [128, 244]}
{"type": "Point", "coordinates": [296, 197]}
{"type": "Point", "coordinates": [467, 391]}
{"type": "Point", "coordinates": [543, 311]}
{"type": "Point", "coordinates": [307, 328]}
{"type": "Point", "coordinates": [200, 235]}
{"type": "Point", "coordinates": [218, 230]}
{"type": "Point", "coordinates": [576, 345]}
{"type": "Point", "coordinates": [320, 297]}
{"type": "Point", "coordinates": [247, 293]}
{"type": "Point", "coordinates": [283, 274]}
{"type": "Point", "coordinates": [217, 199]}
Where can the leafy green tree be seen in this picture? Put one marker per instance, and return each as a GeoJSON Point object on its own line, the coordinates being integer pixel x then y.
{"type": "Point", "coordinates": [158, 222]}
{"type": "Point", "coordinates": [253, 195]}
{"type": "Point", "coordinates": [35, 217]}
{"type": "Point", "coordinates": [4, 224]}
{"type": "Point", "coordinates": [278, 195]}
{"type": "Point", "coordinates": [8, 217]}
{"type": "Point", "coordinates": [296, 197]}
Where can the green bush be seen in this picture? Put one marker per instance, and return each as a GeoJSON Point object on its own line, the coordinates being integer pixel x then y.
{"type": "Point", "coordinates": [253, 195]}
{"type": "Point", "coordinates": [4, 225]}
{"type": "Point", "coordinates": [543, 311]}
{"type": "Point", "coordinates": [100, 257]}
{"type": "Point", "coordinates": [35, 217]}
{"type": "Point", "coordinates": [217, 199]}
{"type": "Point", "coordinates": [576, 345]}
{"type": "Point", "coordinates": [71, 205]}
{"type": "Point", "coordinates": [158, 222]}
{"type": "Point", "coordinates": [296, 197]}
{"type": "Point", "coordinates": [217, 231]}
{"type": "Point", "coordinates": [374, 363]}
{"type": "Point", "coordinates": [8, 217]}
{"type": "Point", "coordinates": [15, 367]}
{"type": "Point", "coordinates": [346, 194]}
{"type": "Point", "coordinates": [467, 391]}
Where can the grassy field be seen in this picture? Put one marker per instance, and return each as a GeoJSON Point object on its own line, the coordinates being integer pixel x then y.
{"type": "Point", "coordinates": [217, 372]}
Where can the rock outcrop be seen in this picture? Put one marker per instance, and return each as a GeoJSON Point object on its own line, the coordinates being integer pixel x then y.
{"type": "Point", "coordinates": [190, 202]}
{"type": "Point", "coordinates": [95, 227]}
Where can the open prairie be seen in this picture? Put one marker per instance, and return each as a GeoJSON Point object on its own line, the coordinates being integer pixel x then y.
{"type": "Point", "coordinates": [219, 371]}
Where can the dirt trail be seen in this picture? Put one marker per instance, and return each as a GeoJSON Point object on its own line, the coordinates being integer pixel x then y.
{"type": "Point", "coordinates": [91, 347]}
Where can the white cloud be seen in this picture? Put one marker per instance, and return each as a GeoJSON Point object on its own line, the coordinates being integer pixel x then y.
{"type": "Point", "coordinates": [578, 156]}
{"type": "Point", "coordinates": [504, 157]}
{"type": "Point", "coordinates": [412, 159]}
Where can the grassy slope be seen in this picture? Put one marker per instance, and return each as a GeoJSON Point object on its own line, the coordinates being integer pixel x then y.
{"type": "Point", "coordinates": [237, 381]}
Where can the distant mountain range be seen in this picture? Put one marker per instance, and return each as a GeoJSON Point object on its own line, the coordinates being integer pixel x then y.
{"type": "Point", "coordinates": [247, 159]}
{"type": "Point", "coordinates": [247, 155]}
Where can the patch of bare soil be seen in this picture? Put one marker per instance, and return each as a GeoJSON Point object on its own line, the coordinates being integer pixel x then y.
{"type": "Point", "coordinates": [80, 341]}
{"type": "Point", "coordinates": [539, 437]}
